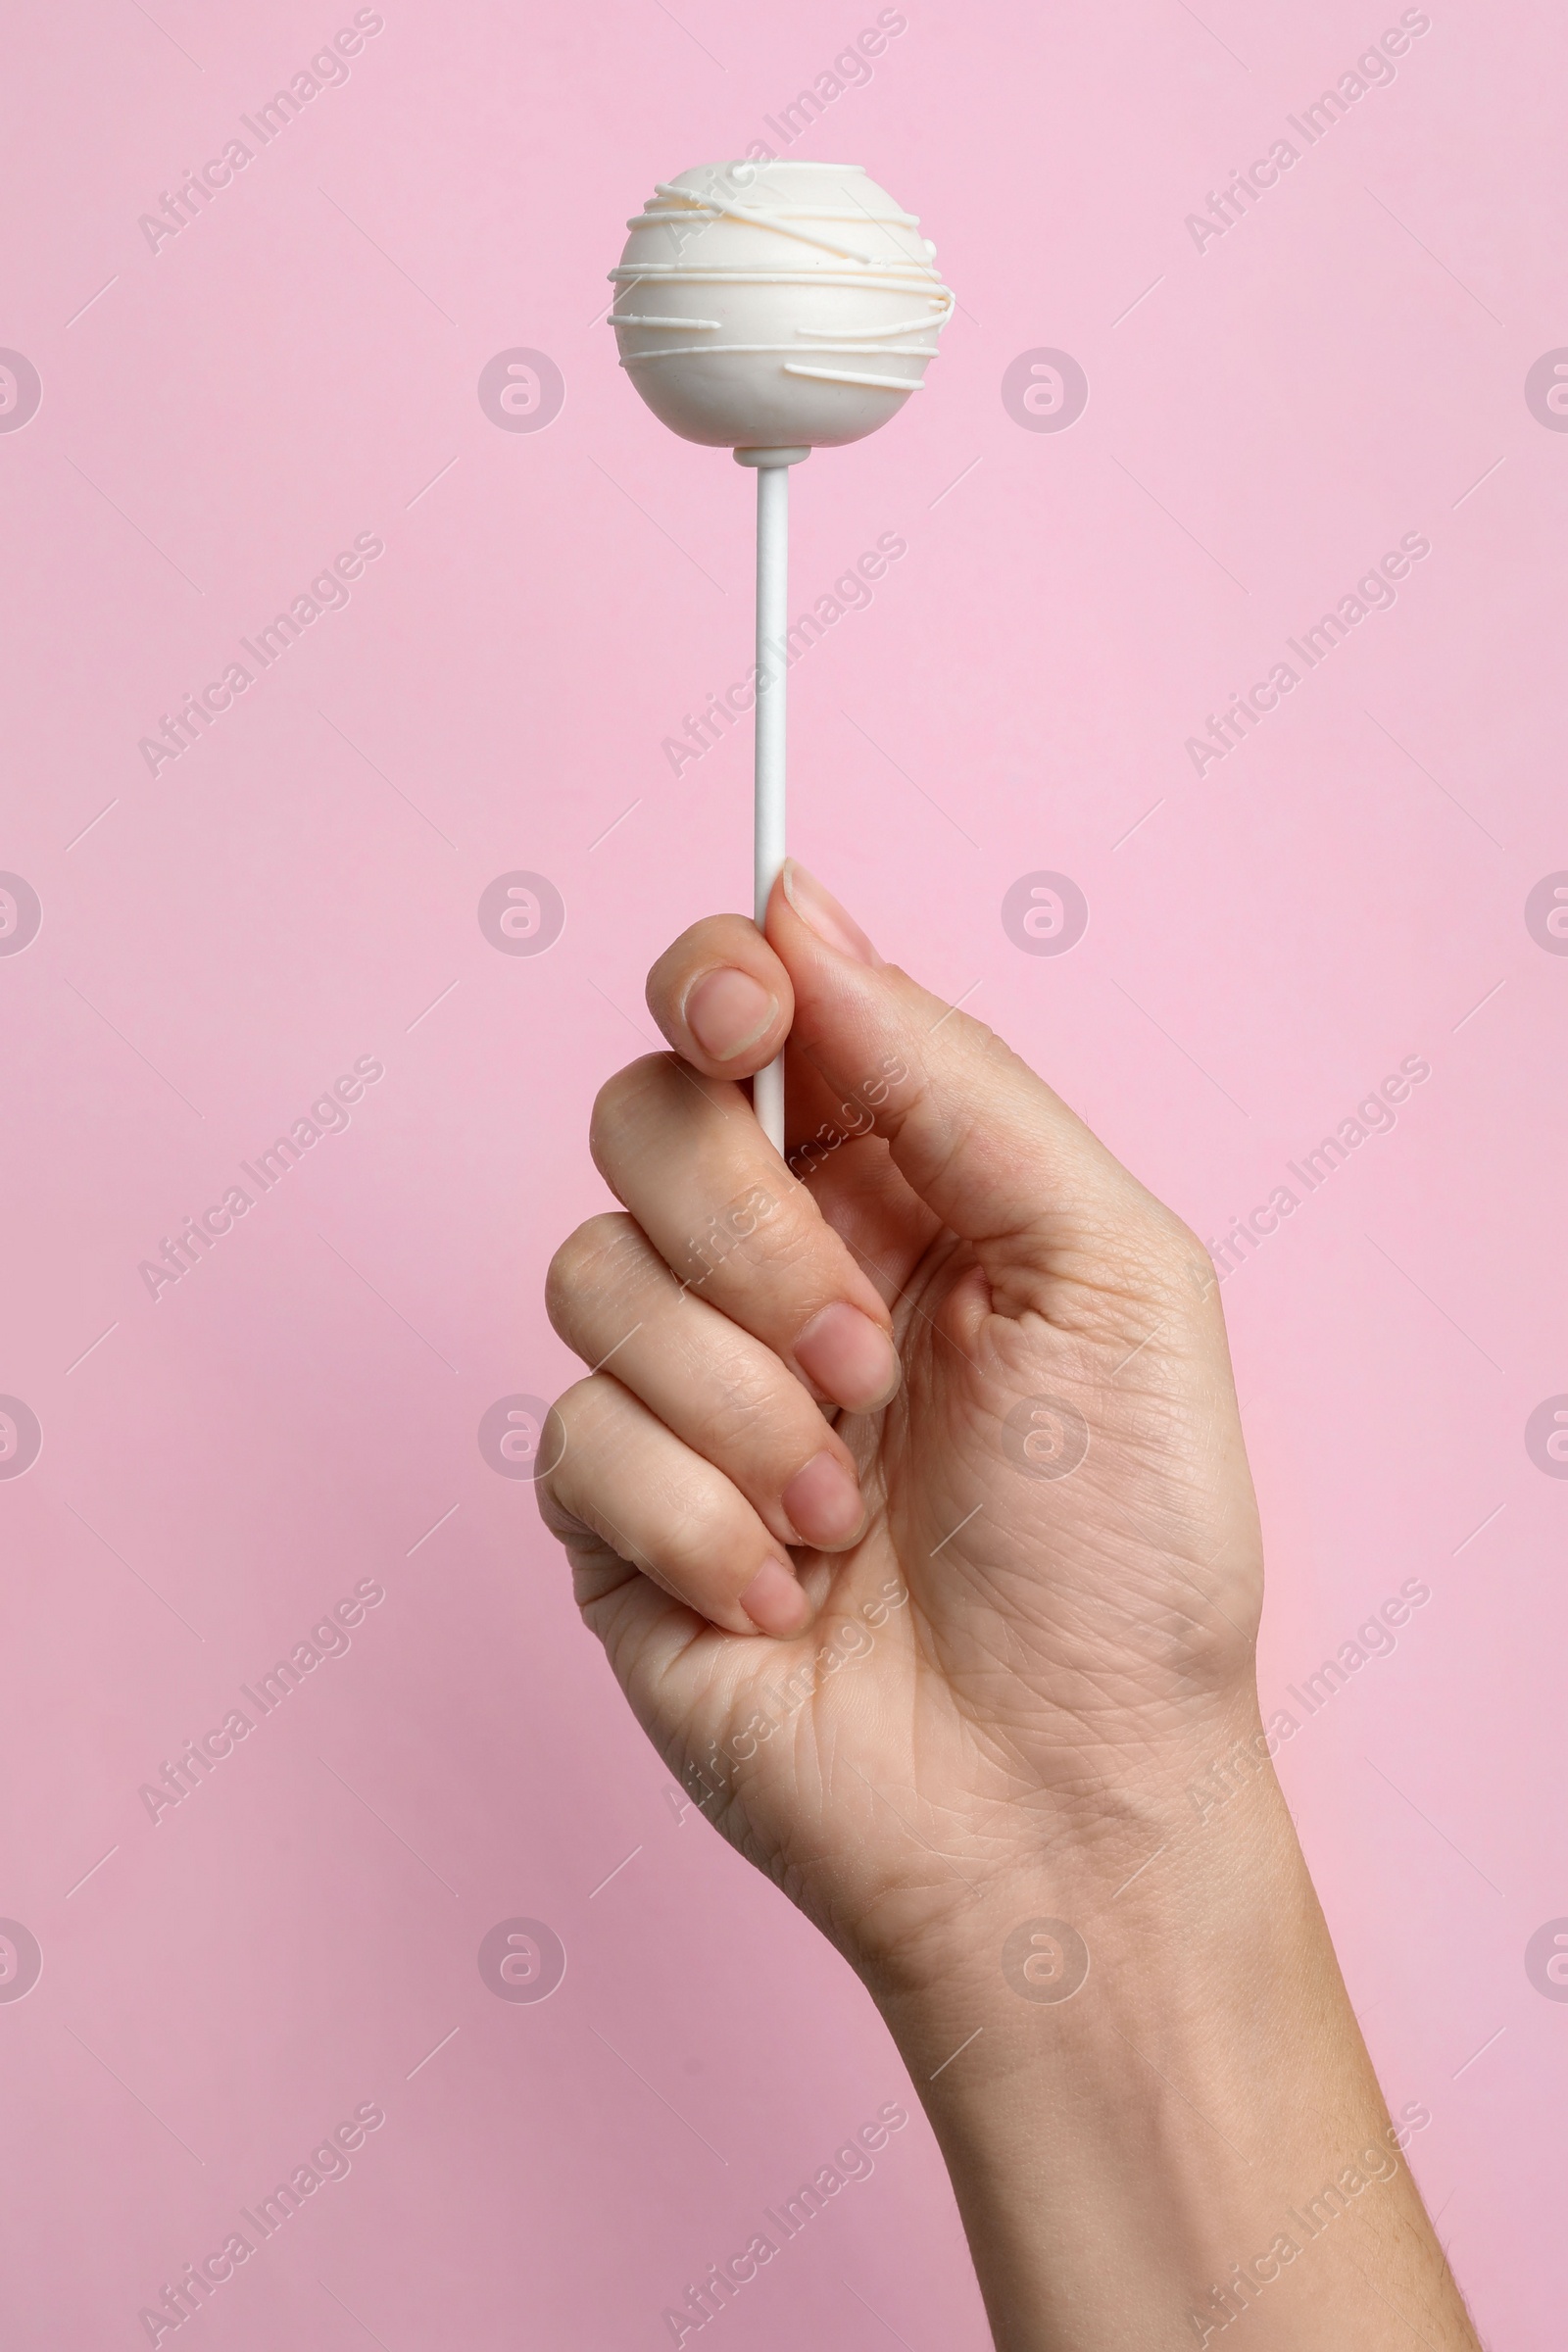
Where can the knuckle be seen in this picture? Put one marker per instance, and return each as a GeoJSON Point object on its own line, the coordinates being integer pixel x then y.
{"type": "Point", "coordinates": [563, 1278]}
{"type": "Point", "coordinates": [738, 1231]}
{"type": "Point", "coordinates": [747, 1415]}
{"type": "Point", "coordinates": [1162, 1260]}
{"type": "Point", "coordinates": [792, 1240]}
{"type": "Point", "coordinates": [576, 1410]}
{"type": "Point", "coordinates": [600, 1256]}
{"type": "Point", "coordinates": [1145, 1258]}
{"type": "Point", "coordinates": [556, 1436]}
{"type": "Point", "coordinates": [624, 1100]}
{"type": "Point", "coordinates": [1182, 1259]}
{"type": "Point", "coordinates": [580, 1435]}
{"type": "Point", "coordinates": [703, 1539]}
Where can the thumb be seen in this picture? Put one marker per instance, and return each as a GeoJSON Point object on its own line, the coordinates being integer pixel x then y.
{"type": "Point", "coordinates": [983, 1141]}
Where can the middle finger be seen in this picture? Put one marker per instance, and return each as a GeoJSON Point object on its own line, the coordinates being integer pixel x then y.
{"type": "Point", "coordinates": [686, 1155]}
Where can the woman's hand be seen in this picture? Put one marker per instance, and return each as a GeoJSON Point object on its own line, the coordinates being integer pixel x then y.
{"type": "Point", "coordinates": [908, 1497]}
{"type": "Point", "coordinates": [949, 1414]}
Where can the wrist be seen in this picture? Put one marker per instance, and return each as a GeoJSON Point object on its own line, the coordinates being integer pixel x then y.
{"type": "Point", "coordinates": [1126, 2053]}
{"type": "Point", "coordinates": [1134, 1848]}
{"type": "Point", "coordinates": [1156, 1923]}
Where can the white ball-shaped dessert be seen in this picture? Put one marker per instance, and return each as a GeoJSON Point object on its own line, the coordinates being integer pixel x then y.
{"type": "Point", "coordinates": [777, 304]}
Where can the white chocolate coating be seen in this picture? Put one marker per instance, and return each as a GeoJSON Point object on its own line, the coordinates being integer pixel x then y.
{"type": "Point", "coordinates": [764, 304]}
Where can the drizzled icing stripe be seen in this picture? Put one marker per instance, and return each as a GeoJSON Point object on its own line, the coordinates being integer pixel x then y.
{"type": "Point", "coordinates": [904, 326]}
{"type": "Point", "coordinates": [815, 209]}
{"type": "Point", "coordinates": [683, 350]}
{"type": "Point", "coordinates": [689, 202]}
{"type": "Point", "coordinates": [783, 212]}
{"type": "Point", "coordinates": [842, 376]}
{"type": "Point", "coordinates": [890, 275]}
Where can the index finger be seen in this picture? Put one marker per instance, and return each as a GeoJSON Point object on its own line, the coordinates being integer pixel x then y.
{"type": "Point", "coordinates": [723, 997]}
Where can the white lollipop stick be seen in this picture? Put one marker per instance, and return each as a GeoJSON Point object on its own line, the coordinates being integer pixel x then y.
{"type": "Point", "coordinates": [773, 621]}
{"type": "Point", "coordinates": [774, 309]}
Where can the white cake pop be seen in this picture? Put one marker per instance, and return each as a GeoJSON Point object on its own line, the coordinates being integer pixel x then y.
{"type": "Point", "coordinates": [777, 305]}
{"type": "Point", "coordinates": [774, 309]}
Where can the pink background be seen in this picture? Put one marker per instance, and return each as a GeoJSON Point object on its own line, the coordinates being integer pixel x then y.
{"type": "Point", "coordinates": [219, 1466]}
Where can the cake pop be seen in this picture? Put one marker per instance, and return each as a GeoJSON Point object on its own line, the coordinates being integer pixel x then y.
{"type": "Point", "coordinates": [772, 309]}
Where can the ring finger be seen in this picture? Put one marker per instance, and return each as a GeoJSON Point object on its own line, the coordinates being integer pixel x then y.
{"type": "Point", "coordinates": [727, 1395]}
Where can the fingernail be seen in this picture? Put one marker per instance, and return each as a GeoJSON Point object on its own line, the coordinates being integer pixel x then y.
{"type": "Point", "coordinates": [850, 1356]}
{"type": "Point", "coordinates": [825, 1503]}
{"type": "Point", "coordinates": [820, 910]}
{"type": "Point", "coordinates": [728, 1011]}
{"type": "Point", "coordinates": [774, 1602]}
